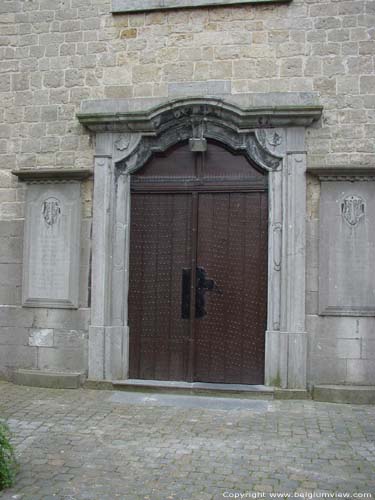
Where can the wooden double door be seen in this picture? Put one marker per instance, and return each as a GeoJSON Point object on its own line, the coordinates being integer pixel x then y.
{"type": "Point", "coordinates": [198, 268]}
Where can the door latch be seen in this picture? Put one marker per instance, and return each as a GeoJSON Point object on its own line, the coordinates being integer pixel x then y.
{"type": "Point", "coordinates": [203, 284]}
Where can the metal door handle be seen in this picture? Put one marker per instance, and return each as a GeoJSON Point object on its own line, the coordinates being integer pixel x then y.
{"type": "Point", "coordinates": [185, 298]}
{"type": "Point", "coordinates": [203, 284]}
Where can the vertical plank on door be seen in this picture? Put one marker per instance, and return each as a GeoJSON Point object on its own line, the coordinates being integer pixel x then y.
{"type": "Point", "coordinates": [232, 247]}
{"type": "Point", "coordinates": [160, 247]}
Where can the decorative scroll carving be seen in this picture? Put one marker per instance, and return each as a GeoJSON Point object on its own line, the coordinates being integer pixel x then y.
{"type": "Point", "coordinates": [352, 209]}
{"type": "Point", "coordinates": [124, 145]}
{"type": "Point", "coordinates": [175, 125]}
{"type": "Point", "coordinates": [273, 140]}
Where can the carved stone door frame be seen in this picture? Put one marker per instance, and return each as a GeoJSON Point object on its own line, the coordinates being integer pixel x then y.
{"type": "Point", "coordinates": [271, 137]}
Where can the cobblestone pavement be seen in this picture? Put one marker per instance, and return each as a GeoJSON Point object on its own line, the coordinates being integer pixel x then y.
{"type": "Point", "coordinates": [85, 444]}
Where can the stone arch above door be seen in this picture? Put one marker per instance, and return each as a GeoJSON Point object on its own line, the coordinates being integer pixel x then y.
{"type": "Point", "coordinates": [128, 132]}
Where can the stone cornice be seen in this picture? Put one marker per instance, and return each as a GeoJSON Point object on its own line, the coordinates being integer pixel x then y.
{"type": "Point", "coordinates": [349, 173]}
{"type": "Point", "coordinates": [52, 174]}
{"type": "Point", "coordinates": [119, 6]}
{"type": "Point", "coordinates": [147, 121]}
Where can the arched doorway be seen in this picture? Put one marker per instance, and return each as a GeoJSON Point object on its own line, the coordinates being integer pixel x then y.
{"type": "Point", "coordinates": [127, 134]}
{"type": "Point", "coordinates": [198, 267]}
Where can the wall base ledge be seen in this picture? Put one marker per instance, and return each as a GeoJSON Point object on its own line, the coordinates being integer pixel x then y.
{"type": "Point", "coordinates": [353, 394]}
{"type": "Point", "coordinates": [292, 394]}
{"type": "Point", "coordinates": [48, 379]}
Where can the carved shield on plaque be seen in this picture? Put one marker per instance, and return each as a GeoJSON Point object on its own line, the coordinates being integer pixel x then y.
{"type": "Point", "coordinates": [51, 211]}
{"type": "Point", "coordinates": [352, 209]}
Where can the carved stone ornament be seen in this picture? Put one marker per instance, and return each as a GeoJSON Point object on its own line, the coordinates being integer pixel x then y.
{"type": "Point", "coordinates": [352, 209]}
{"type": "Point", "coordinates": [51, 211]}
{"type": "Point", "coordinates": [122, 142]}
{"type": "Point", "coordinates": [272, 140]}
{"type": "Point", "coordinates": [202, 120]}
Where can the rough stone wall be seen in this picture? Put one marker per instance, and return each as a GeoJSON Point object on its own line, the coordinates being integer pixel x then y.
{"type": "Point", "coordinates": [55, 53]}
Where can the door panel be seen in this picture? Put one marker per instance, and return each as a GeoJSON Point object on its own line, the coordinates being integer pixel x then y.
{"type": "Point", "coordinates": [232, 248]}
{"type": "Point", "coordinates": [160, 247]}
{"type": "Point", "coordinates": [207, 212]}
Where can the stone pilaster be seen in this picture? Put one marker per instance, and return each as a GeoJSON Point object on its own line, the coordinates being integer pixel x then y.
{"type": "Point", "coordinates": [293, 336]}
{"type": "Point", "coordinates": [101, 238]}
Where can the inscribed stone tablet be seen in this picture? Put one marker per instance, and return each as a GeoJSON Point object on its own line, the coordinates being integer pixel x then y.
{"type": "Point", "coordinates": [51, 245]}
{"type": "Point", "coordinates": [347, 249]}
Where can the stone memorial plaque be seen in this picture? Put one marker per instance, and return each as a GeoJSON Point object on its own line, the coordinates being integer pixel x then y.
{"type": "Point", "coordinates": [347, 249]}
{"type": "Point", "coordinates": [52, 245]}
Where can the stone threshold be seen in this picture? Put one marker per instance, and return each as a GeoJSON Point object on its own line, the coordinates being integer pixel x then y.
{"type": "Point", "coordinates": [195, 388]}
{"type": "Point", "coordinates": [352, 394]}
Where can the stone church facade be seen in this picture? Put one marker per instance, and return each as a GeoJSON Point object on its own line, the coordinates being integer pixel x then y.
{"type": "Point", "coordinates": [122, 125]}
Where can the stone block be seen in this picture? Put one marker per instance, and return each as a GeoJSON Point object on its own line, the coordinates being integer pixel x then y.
{"type": "Point", "coordinates": [7, 195]}
{"type": "Point", "coordinates": [49, 113]}
{"type": "Point", "coordinates": [118, 91]}
{"type": "Point", "coordinates": [333, 66]}
{"type": "Point", "coordinates": [52, 379]}
{"type": "Point", "coordinates": [364, 395]}
{"type": "Point", "coordinates": [10, 250]}
{"type": "Point", "coordinates": [145, 73]}
{"type": "Point", "coordinates": [53, 79]}
{"type": "Point", "coordinates": [65, 359]}
{"type": "Point", "coordinates": [20, 81]}
{"type": "Point", "coordinates": [348, 348]}
{"type": "Point", "coordinates": [244, 69]}
{"type": "Point", "coordinates": [41, 338]}
{"type": "Point", "coordinates": [70, 338]}
{"type": "Point", "coordinates": [6, 180]}
{"type": "Point", "coordinates": [19, 356]}
{"type": "Point", "coordinates": [368, 349]}
{"type": "Point", "coordinates": [61, 319]}
{"type": "Point", "coordinates": [74, 78]}
{"type": "Point", "coordinates": [210, 87]}
{"type": "Point", "coordinates": [311, 302]}
{"type": "Point", "coordinates": [367, 84]}
{"type": "Point", "coordinates": [348, 84]}
{"type": "Point", "coordinates": [15, 316]}
{"type": "Point", "coordinates": [10, 295]}
{"type": "Point", "coordinates": [10, 335]}
{"type": "Point", "coordinates": [178, 72]}
{"type": "Point", "coordinates": [325, 370]}
{"type": "Point", "coordinates": [367, 47]}
{"type": "Point", "coordinates": [10, 274]}
{"type": "Point", "coordinates": [360, 371]}
{"type": "Point", "coordinates": [366, 327]}
{"type": "Point", "coordinates": [326, 23]}
{"type": "Point", "coordinates": [291, 67]}
{"type": "Point", "coordinates": [337, 327]}
{"type": "Point", "coordinates": [4, 82]}
{"type": "Point", "coordinates": [266, 68]}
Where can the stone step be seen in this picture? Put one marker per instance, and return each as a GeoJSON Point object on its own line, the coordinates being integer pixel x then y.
{"type": "Point", "coordinates": [196, 388]}
{"type": "Point", "coordinates": [353, 394]}
{"type": "Point", "coordinates": [48, 379]}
